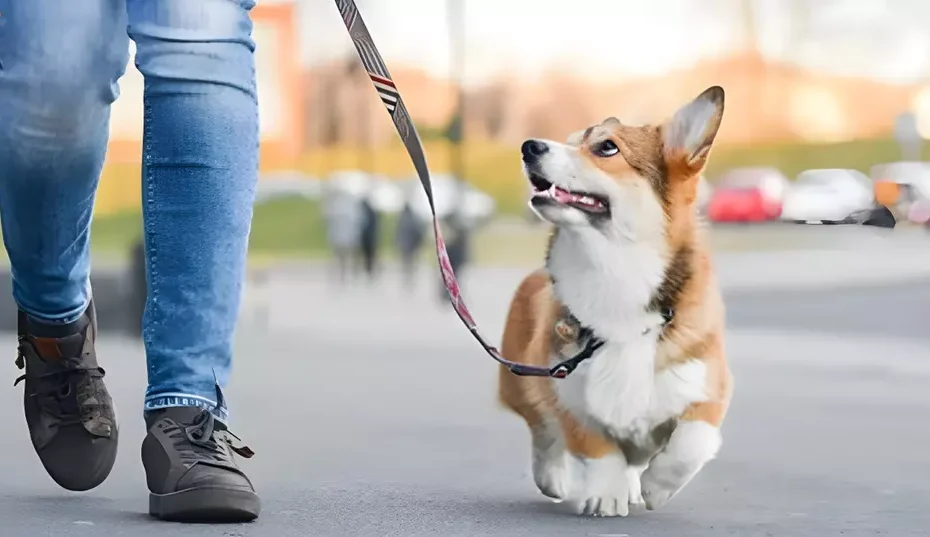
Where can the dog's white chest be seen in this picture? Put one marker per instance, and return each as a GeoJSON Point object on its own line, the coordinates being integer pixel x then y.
{"type": "Point", "coordinates": [619, 391]}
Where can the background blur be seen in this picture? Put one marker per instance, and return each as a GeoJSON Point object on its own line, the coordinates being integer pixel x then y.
{"type": "Point", "coordinates": [345, 333]}
{"type": "Point", "coordinates": [825, 84]}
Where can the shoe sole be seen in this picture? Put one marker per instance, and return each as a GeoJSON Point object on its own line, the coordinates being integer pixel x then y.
{"type": "Point", "coordinates": [206, 504]}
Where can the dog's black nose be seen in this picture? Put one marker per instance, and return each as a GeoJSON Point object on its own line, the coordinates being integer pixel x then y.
{"type": "Point", "coordinates": [532, 150]}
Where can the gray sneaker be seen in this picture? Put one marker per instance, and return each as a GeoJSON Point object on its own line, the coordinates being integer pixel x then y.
{"type": "Point", "coordinates": [71, 417]}
{"type": "Point", "coordinates": [190, 469]}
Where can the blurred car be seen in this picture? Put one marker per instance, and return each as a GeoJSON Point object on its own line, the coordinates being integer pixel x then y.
{"type": "Point", "coordinates": [740, 205]}
{"type": "Point", "coordinates": [472, 206]}
{"type": "Point", "coordinates": [352, 182]}
{"type": "Point", "coordinates": [748, 195]}
{"type": "Point", "coordinates": [827, 194]}
{"type": "Point", "coordinates": [285, 184]}
{"type": "Point", "coordinates": [903, 187]}
{"type": "Point", "coordinates": [919, 212]}
{"type": "Point", "coordinates": [384, 195]}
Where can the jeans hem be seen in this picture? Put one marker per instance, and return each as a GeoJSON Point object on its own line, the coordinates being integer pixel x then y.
{"type": "Point", "coordinates": [67, 318]}
{"type": "Point", "coordinates": [172, 400]}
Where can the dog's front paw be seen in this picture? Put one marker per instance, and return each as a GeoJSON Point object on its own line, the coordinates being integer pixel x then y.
{"type": "Point", "coordinates": [604, 489]}
{"type": "Point", "coordinates": [552, 475]}
{"type": "Point", "coordinates": [692, 444]}
{"type": "Point", "coordinates": [606, 505]}
{"type": "Point", "coordinates": [655, 493]}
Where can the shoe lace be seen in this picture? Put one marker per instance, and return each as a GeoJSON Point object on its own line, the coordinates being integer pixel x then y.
{"type": "Point", "coordinates": [208, 440]}
{"type": "Point", "coordinates": [54, 389]}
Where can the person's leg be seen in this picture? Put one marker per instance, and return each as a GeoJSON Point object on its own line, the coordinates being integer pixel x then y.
{"type": "Point", "coordinates": [59, 66]}
{"type": "Point", "coordinates": [200, 167]}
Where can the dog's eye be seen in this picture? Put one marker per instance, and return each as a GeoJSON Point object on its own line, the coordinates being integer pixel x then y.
{"type": "Point", "coordinates": [606, 149]}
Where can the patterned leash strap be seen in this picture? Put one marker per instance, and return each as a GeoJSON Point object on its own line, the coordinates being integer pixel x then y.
{"type": "Point", "coordinates": [387, 90]}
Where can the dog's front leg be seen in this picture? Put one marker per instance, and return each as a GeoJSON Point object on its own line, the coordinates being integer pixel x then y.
{"type": "Point", "coordinates": [599, 474]}
{"type": "Point", "coordinates": [695, 441]}
{"type": "Point", "coordinates": [551, 464]}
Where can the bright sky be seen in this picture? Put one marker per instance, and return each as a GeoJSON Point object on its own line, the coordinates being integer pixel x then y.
{"type": "Point", "coordinates": [887, 39]}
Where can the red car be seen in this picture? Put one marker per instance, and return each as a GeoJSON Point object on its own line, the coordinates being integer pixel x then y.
{"type": "Point", "coordinates": [748, 195]}
{"type": "Point", "coordinates": [742, 205]}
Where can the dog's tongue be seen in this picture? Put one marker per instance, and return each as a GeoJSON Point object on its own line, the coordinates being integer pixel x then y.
{"type": "Point", "coordinates": [563, 196]}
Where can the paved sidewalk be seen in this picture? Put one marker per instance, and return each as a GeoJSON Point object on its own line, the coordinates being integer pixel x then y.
{"type": "Point", "coordinates": [372, 413]}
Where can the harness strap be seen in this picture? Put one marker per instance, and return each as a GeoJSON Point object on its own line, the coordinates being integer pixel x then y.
{"type": "Point", "coordinates": [592, 343]}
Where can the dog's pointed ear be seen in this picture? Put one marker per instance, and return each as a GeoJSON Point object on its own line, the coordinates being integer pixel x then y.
{"type": "Point", "coordinates": [574, 139]}
{"type": "Point", "coordinates": [689, 134]}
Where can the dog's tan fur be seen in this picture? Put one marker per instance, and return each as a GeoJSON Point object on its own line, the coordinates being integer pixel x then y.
{"type": "Point", "coordinates": [697, 331]}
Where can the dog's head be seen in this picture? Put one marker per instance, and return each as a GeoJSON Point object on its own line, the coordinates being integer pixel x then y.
{"type": "Point", "coordinates": [632, 181]}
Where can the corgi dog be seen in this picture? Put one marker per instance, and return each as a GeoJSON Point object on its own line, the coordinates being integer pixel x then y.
{"type": "Point", "coordinates": [627, 264]}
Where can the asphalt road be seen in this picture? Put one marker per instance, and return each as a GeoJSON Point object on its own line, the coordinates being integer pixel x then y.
{"type": "Point", "coordinates": [373, 414]}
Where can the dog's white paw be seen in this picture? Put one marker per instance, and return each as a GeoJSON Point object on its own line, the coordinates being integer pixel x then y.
{"type": "Point", "coordinates": [552, 474]}
{"type": "Point", "coordinates": [603, 487]}
{"type": "Point", "coordinates": [692, 444]}
{"type": "Point", "coordinates": [655, 494]}
{"type": "Point", "coordinates": [608, 505]}
{"type": "Point", "coordinates": [635, 486]}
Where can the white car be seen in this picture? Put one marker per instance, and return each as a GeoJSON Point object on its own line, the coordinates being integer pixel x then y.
{"type": "Point", "coordinates": [827, 194]}
{"type": "Point", "coordinates": [278, 185]}
{"type": "Point", "coordinates": [472, 205]}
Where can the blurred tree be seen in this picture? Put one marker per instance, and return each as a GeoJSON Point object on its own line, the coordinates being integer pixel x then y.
{"type": "Point", "coordinates": [564, 103]}
{"type": "Point", "coordinates": [328, 115]}
{"type": "Point", "coordinates": [355, 72]}
{"type": "Point", "coordinates": [488, 108]}
{"type": "Point", "coordinates": [454, 130]}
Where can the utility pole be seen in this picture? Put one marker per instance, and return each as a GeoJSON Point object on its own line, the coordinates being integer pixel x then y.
{"type": "Point", "coordinates": [455, 10]}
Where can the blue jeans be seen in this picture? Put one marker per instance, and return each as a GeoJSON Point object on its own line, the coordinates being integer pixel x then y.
{"type": "Point", "coordinates": [60, 61]}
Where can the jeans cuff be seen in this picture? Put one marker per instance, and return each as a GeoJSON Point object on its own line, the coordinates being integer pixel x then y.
{"type": "Point", "coordinates": [171, 400]}
{"type": "Point", "coordinates": [67, 318]}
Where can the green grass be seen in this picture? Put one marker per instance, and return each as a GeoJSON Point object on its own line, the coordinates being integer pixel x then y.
{"type": "Point", "coordinates": [290, 226]}
{"type": "Point", "coordinates": [294, 228]}
{"type": "Point", "coordinates": [115, 235]}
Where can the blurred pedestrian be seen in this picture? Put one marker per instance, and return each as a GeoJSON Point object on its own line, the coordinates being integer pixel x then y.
{"type": "Point", "coordinates": [344, 216]}
{"type": "Point", "coordinates": [59, 66]}
{"type": "Point", "coordinates": [370, 237]}
{"type": "Point", "coordinates": [411, 231]}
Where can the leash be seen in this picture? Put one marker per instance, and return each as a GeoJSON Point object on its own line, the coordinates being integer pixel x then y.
{"type": "Point", "coordinates": [390, 97]}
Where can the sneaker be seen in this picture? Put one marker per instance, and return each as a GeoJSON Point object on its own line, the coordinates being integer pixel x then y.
{"type": "Point", "coordinates": [71, 417]}
{"type": "Point", "coordinates": [191, 473]}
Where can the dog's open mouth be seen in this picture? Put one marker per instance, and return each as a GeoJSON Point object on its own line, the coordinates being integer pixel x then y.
{"type": "Point", "coordinates": [583, 201]}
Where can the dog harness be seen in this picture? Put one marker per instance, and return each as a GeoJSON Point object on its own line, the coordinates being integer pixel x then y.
{"type": "Point", "coordinates": [568, 330]}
